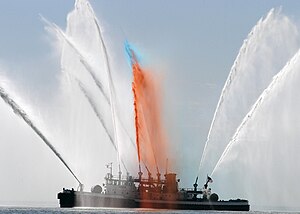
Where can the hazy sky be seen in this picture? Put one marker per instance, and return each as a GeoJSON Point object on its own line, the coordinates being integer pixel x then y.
{"type": "Point", "coordinates": [194, 43]}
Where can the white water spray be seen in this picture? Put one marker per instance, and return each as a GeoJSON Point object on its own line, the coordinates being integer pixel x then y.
{"type": "Point", "coordinates": [110, 85]}
{"type": "Point", "coordinates": [268, 47]}
{"type": "Point", "coordinates": [100, 117]}
{"type": "Point", "coordinates": [256, 107]}
{"type": "Point", "coordinates": [20, 112]}
{"type": "Point", "coordinates": [83, 60]}
{"type": "Point", "coordinates": [261, 161]}
{"type": "Point", "coordinates": [88, 68]}
{"type": "Point", "coordinates": [81, 57]}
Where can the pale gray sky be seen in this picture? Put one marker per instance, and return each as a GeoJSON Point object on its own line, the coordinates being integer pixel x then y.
{"type": "Point", "coordinates": [194, 43]}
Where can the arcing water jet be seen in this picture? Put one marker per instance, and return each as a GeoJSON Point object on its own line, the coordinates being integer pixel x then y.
{"type": "Point", "coordinates": [275, 39]}
{"type": "Point", "coordinates": [100, 117]}
{"type": "Point", "coordinates": [97, 113]}
{"type": "Point", "coordinates": [88, 68]}
{"type": "Point", "coordinates": [21, 113]}
{"type": "Point", "coordinates": [82, 59]}
{"type": "Point", "coordinates": [110, 84]}
{"type": "Point", "coordinates": [277, 79]}
{"type": "Point", "coordinates": [264, 154]}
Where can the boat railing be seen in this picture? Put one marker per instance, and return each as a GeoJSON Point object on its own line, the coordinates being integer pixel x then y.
{"type": "Point", "coordinates": [198, 190]}
{"type": "Point", "coordinates": [116, 177]}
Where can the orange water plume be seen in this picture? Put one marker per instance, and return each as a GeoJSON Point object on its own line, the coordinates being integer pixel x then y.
{"type": "Point", "coordinates": [150, 136]}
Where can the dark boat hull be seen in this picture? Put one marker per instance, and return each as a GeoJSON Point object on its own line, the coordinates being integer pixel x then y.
{"type": "Point", "coordinates": [85, 199]}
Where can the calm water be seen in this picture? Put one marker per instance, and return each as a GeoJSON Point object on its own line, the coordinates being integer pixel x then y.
{"type": "Point", "coordinates": [29, 210]}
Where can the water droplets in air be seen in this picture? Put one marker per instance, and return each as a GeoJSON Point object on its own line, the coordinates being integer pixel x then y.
{"type": "Point", "coordinates": [269, 45]}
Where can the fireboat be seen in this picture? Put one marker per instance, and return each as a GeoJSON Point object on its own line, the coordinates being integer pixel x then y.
{"type": "Point", "coordinates": [157, 193]}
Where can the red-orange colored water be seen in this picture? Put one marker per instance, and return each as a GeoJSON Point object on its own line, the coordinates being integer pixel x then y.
{"type": "Point", "coordinates": [150, 136]}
